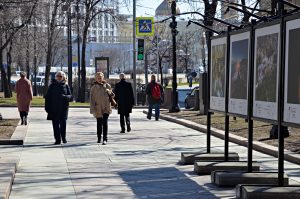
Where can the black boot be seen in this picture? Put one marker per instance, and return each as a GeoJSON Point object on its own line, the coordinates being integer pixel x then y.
{"type": "Point", "coordinates": [25, 120]}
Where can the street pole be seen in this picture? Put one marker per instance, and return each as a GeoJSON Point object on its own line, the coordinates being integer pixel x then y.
{"type": "Point", "coordinates": [134, 49]}
{"type": "Point", "coordinates": [35, 58]}
{"type": "Point", "coordinates": [69, 46]}
{"type": "Point", "coordinates": [173, 26]}
{"type": "Point", "coordinates": [157, 58]}
{"type": "Point", "coordinates": [78, 51]}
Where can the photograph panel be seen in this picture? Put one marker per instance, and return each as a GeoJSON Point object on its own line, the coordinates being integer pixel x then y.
{"type": "Point", "coordinates": [238, 73]}
{"type": "Point", "coordinates": [293, 94]}
{"type": "Point", "coordinates": [266, 67]}
{"type": "Point", "coordinates": [239, 69]}
{"type": "Point", "coordinates": [218, 70]}
{"type": "Point", "coordinates": [218, 74]}
{"type": "Point", "coordinates": [292, 73]}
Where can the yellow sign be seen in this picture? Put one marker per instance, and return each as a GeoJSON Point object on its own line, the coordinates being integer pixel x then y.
{"type": "Point", "coordinates": [144, 26]}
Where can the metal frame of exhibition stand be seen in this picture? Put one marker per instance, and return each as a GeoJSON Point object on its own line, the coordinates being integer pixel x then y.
{"type": "Point", "coordinates": [280, 99]}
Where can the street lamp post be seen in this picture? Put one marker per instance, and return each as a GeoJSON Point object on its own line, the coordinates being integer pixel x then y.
{"type": "Point", "coordinates": [78, 50]}
{"type": "Point", "coordinates": [69, 45]}
{"type": "Point", "coordinates": [173, 26]}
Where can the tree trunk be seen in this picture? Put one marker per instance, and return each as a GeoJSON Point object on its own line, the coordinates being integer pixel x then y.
{"type": "Point", "coordinates": [7, 93]}
{"type": "Point", "coordinates": [48, 64]}
{"type": "Point", "coordinates": [161, 71]}
{"type": "Point", "coordinates": [83, 69]}
{"type": "Point", "coordinates": [51, 29]}
{"type": "Point", "coordinates": [27, 54]}
{"type": "Point", "coordinates": [9, 61]}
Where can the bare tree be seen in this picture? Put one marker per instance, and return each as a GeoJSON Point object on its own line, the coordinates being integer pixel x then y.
{"type": "Point", "coordinates": [51, 27]}
{"type": "Point", "coordinates": [14, 15]}
{"type": "Point", "coordinates": [90, 12]}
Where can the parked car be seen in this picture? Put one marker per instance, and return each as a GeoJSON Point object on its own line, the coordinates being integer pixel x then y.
{"type": "Point", "coordinates": [190, 98]}
{"type": "Point", "coordinates": [40, 81]}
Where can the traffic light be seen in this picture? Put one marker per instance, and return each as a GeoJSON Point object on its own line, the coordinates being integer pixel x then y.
{"type": "Point", "coordinates": [140, 51]}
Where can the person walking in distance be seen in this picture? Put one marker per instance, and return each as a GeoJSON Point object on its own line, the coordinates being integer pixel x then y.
{"type": "Point", "coordinates": [155, 93]}
{"type": "Point", "coordinates": [24, 97]}
{"type": "Point", "coordinates": [57, 106]}
{"type": "Point", "coordinates": [125, 100]}
{"type": "Point", "coordinates": [100, 105]}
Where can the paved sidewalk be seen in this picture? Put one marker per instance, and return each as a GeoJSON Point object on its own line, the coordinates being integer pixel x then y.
{"type": "Point", "coordinates": [139, 164]}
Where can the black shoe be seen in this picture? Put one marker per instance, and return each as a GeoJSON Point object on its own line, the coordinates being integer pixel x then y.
{"type": "Point", "coordinates": [156, 118]}
{"type": "Point", "coordinates": [148, 117]}
{"type": "Point", "coordinates": [122, 131]}
{"type": "Point", "coordinates": [128, 129]}
{"type": "Point", "coordinates": [104, 142]}
{"type": "Point", "coordinates": [22, 122]}
{"type": "Point", "coordinates": [25, 121]}
{"type": "Point", "coordinates": [65, 141]}
{"type": "Point", "coordinates": [98, 141]}
{"type": "Point", "coordinates": [56, 142]}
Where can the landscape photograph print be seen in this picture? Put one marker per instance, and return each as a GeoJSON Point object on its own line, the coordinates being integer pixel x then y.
{"type": "Point", "coordinates": [218, 70]}
{"type": "Point", "coordinates": [293, 91]}
{"type": "Point", "coordinates": [239, 69]}
{"type": "Point", "coordinates": [266, 67]}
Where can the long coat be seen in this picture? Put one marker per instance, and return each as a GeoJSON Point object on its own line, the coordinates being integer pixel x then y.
{"type": "Point", "coordinates": [99, 99]}
{"type": "Point", "coordinates": [24, 94]}
{"type": "Point", "coordinates": [57, 100]}
{"type": "Point", "coordinates": [124, 97]}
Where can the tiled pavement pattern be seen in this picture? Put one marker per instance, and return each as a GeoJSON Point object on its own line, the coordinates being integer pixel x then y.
{"type": "Point", "coordinates": [139, 164]}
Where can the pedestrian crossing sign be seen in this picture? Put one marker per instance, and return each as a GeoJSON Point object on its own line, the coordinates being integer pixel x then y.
{"type": "Point", "coordinates": [144, 26]}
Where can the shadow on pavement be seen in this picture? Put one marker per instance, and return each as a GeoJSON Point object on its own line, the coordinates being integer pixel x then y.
{"type": "Point", "coordinates": [166, 182]}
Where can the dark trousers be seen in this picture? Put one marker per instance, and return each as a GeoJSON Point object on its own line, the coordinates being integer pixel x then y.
{"type": "Point", "coordinates": [59, 128]}
{"type": "Point", "coordinates": [156, 107]}
{"type": "Point", "coordinates": [102, 127]}
{"type": "Point", "coordinates": [23, 115]}
{"type": "Point", "coordinates": [122, 122]}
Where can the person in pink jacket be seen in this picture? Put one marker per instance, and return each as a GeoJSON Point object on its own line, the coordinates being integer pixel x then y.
{"type": "Point", "coordinates": [24, 97]}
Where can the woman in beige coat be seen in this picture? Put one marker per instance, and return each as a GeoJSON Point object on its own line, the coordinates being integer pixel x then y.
{"type": "Point", "coordinates": [100, 105]}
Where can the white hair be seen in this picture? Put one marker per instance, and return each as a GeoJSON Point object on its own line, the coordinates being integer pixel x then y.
{"type": "Point", "coordinates": [122, 76]}
{"type": "Point", "coordinates": [61, 73]}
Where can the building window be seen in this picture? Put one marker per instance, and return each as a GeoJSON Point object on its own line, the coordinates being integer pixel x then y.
{"type": "Point", "coordinates": [94, 23]}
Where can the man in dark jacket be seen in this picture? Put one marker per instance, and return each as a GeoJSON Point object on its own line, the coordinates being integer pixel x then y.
{"type": "Point", "coordinates": [125, 99]}
{"type": "Point", "coordinates": [155, 94]}
{"type": "Point", "coordinates": [57, 105]}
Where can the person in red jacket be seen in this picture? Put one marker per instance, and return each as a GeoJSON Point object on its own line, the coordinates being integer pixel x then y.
{"type": "Point", "coordinates": [155, 93]}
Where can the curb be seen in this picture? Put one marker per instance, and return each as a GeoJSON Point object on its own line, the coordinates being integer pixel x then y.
{"type": "Point", "coordinates": [8, 167]}
{"type": "Point", "coordinates": [17, 137]}
{"type": "Point", "coordinates": [7, 173]}
{"type": "Point", "coordinates": [258, 146]}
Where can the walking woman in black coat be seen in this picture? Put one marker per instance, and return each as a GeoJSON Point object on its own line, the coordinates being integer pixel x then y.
{"type": "Point", "coordinates": [57, 105]}
{"type": "Point", "coordinates": [125, 99]}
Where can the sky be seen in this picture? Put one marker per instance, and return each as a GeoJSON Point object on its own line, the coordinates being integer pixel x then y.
{"type": "Point", "coordinates": [147, 7]}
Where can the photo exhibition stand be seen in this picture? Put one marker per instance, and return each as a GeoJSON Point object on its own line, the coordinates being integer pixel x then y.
{"type": "Point", "coordinates": [225, 169]}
